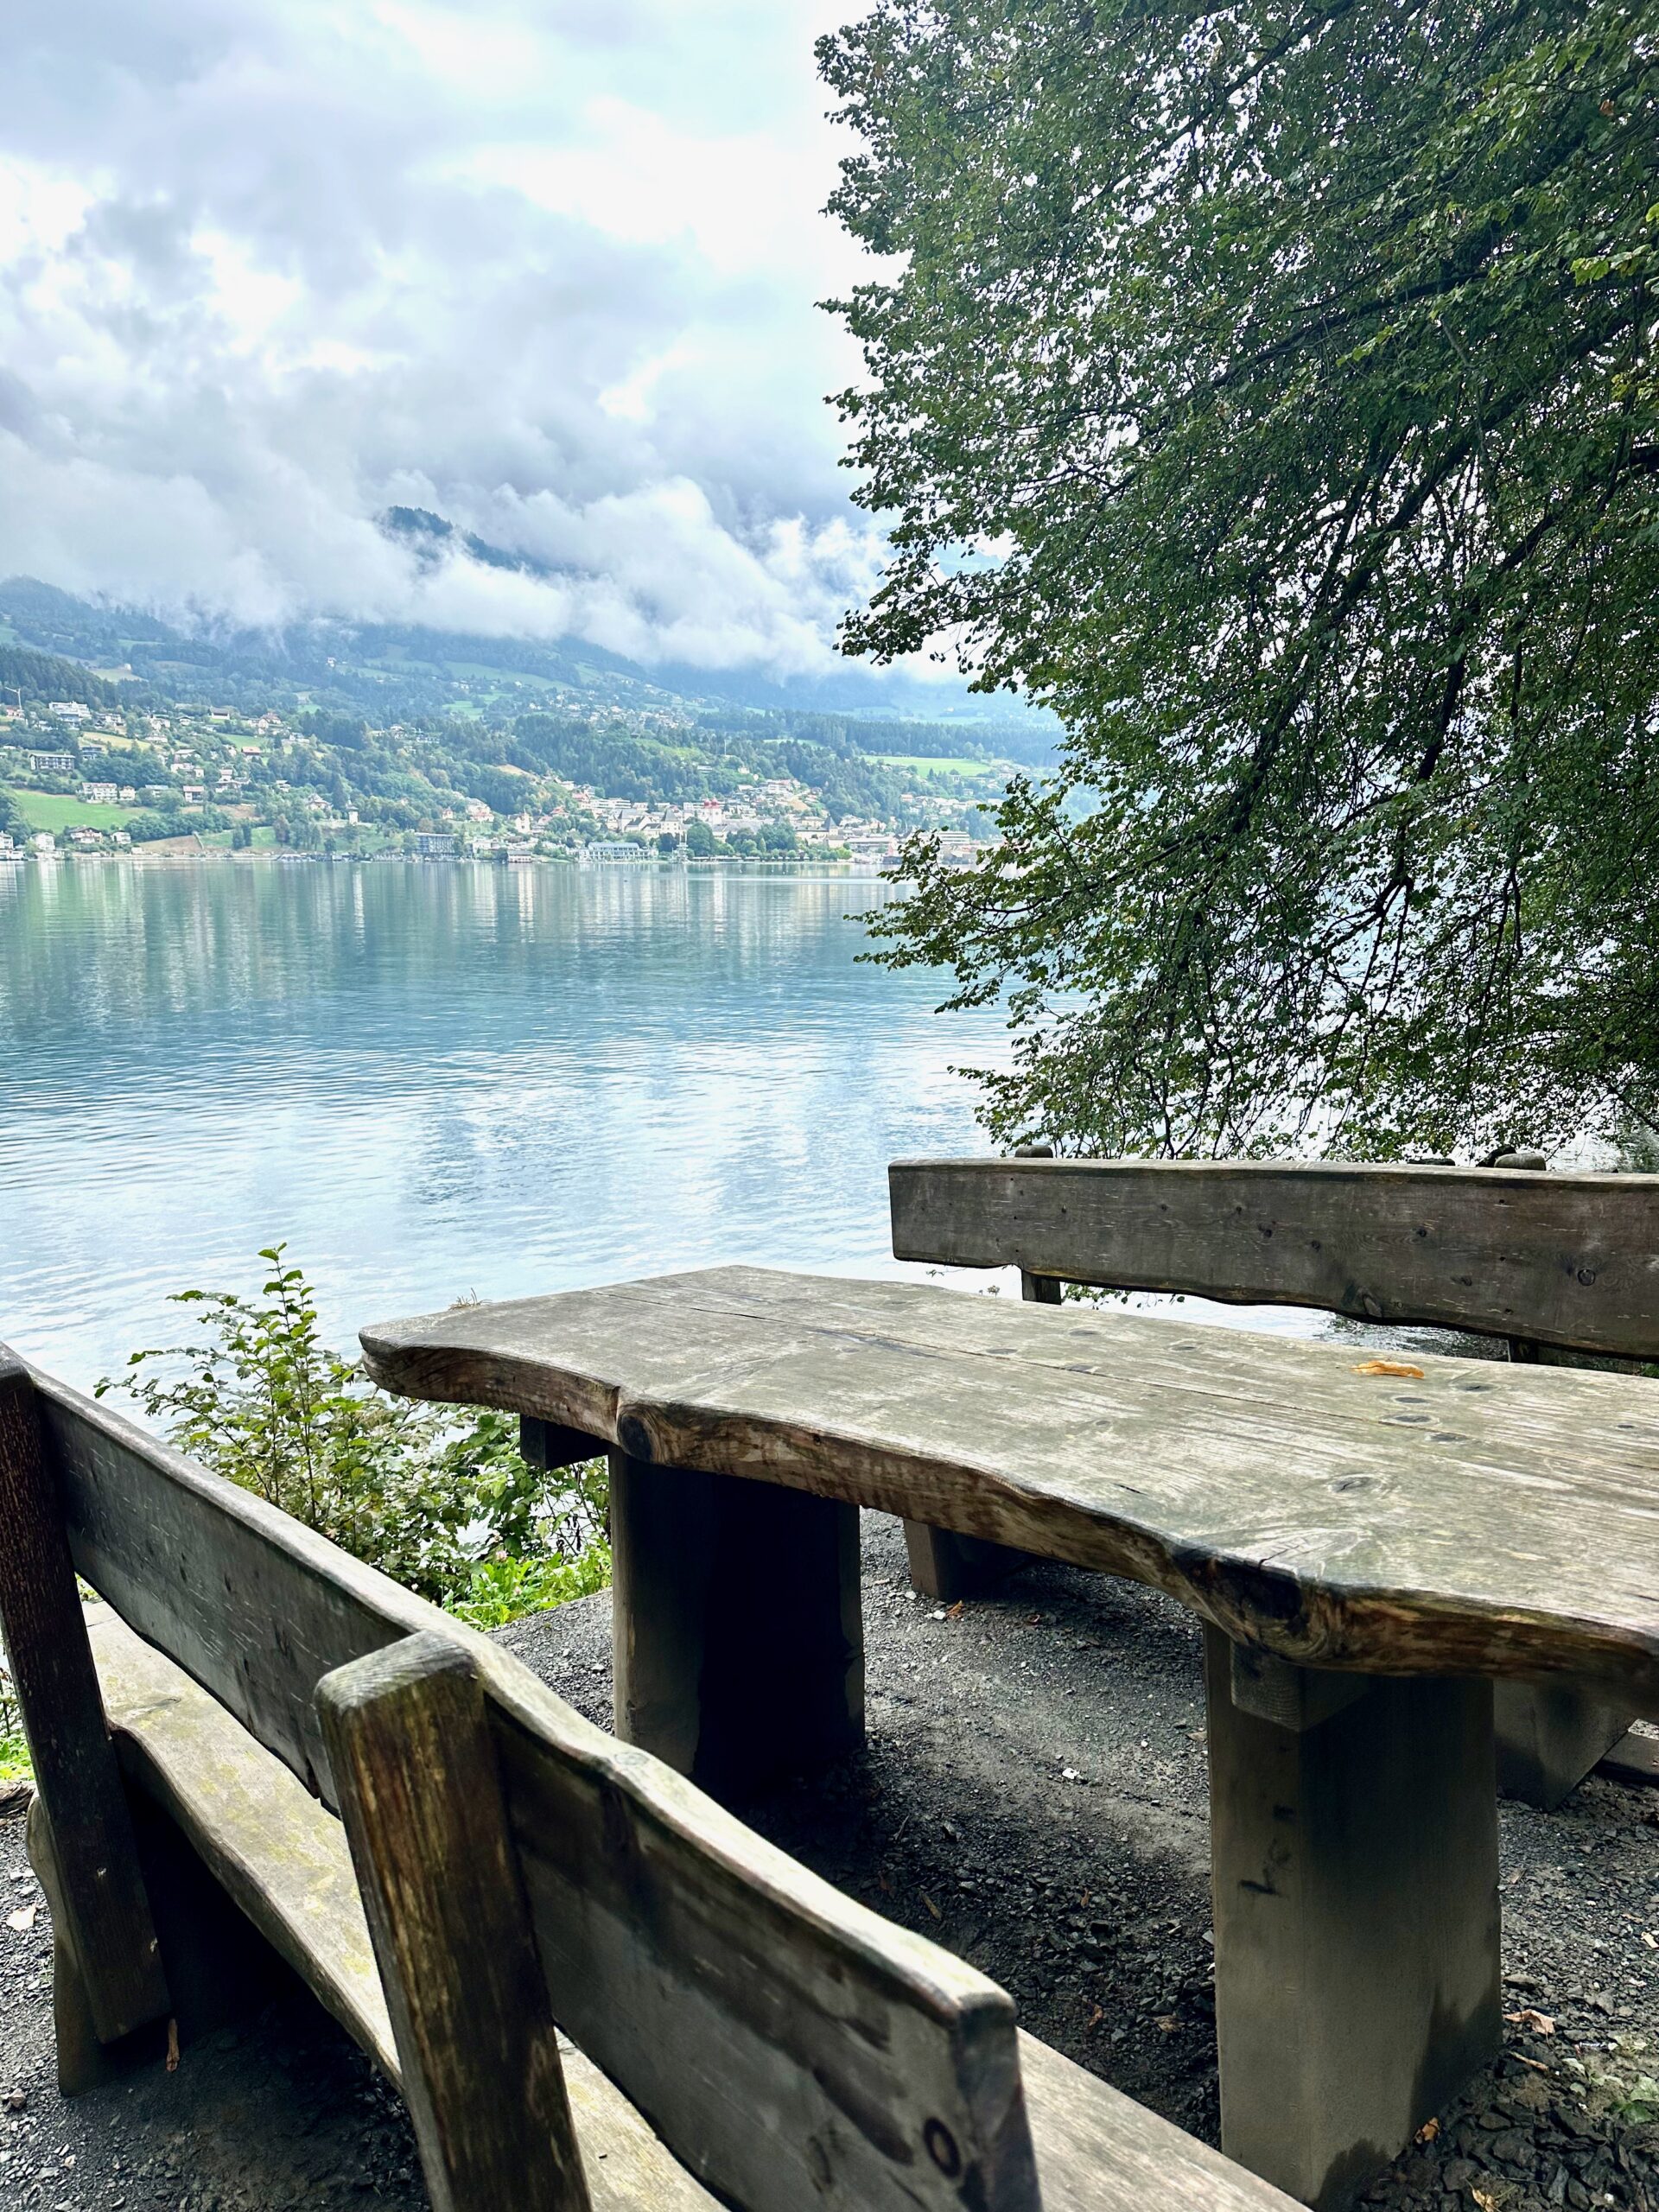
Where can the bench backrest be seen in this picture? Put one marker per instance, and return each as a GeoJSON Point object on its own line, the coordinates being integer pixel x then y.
{"type": "Point", "coordinates": [789, 2046]}
{"type": "Point", "coordinates": [1571, 1261]}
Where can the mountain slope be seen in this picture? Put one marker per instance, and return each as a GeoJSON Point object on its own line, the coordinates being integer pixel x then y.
{"type": "Point", "coordinates": [387, 673]}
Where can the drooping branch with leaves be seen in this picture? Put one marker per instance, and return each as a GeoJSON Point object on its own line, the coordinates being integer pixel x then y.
{"type": "Point", "coordinates": [1270, 389]}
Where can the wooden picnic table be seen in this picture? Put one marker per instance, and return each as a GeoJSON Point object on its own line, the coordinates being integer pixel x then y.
{"type": "Point", "coordinates": [1367, 1548]}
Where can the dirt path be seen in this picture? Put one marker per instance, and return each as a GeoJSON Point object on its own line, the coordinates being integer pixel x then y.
{"type": "Point", "coordinates": [1033, 1796]}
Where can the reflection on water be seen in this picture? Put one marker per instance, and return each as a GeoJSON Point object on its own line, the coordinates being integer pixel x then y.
{"type": "Point", "coordinates": [440, 1081]}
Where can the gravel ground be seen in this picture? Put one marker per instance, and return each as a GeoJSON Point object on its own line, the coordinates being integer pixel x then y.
{"type": "Point", "coordinates": [1032, 1797]}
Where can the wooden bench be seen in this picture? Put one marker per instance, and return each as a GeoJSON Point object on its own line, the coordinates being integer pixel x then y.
{"type": "Point", "coordinates": [739, 2033]}
{"type": "Point", "coordinates": [1549, 1264]}
{"type": "Point", "coordinates": [1369, 1553]}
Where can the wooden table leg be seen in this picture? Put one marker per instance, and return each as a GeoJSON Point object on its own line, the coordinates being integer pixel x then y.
{"type": "Point", "coordinates": [1549, 1736]}
{"type": "Point", "coordinates": [1354, 1843]}
{"type": "Point", "coordinates": [946, 1565]}
{"type": "Point", "coordinates": [739, 1646]}
{"type": "Point", "coordinates": [943, 1564]}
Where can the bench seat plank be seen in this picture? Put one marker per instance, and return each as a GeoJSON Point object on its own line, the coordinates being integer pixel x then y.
{"type": "Point", "coordinates": [1098, 2150]}
{"type": "Point", "coordinates": [283, 1858]}
{"type": "Point", "coordinates": [277, 1853]}
{"type": "Point", "coordinates": [1478, 1519]}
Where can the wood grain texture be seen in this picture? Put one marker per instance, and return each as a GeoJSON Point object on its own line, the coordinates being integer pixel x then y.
{"type": "Point", "coordinates": [1564, 1259]}
{"type": "Point", "coordinates": [791, 2047]}
{"type": "Point", "coordinates": [738, 1654]}
{"type": "Point", "coordinates": [409, 1737]}
{"type": "Point", "coordinates": [743, 2003]}
{"type": "Point", "coordinates": [1550, 1735]}
{"type": "Point", "coordinates": [1098, 2150]}
{"type": "Point", "coordinates": [253, 1606]}
{"type": "Point", "coordinates": [285, 1861]}
{"type": "Point", "coordinates": [111, 1930]}
{"type": "Point", "coordinates": [83, 2062]}
{"type": "Point", "coordinates": [256, 1608]}
{"type": "Point", "coordinates": [277, 1853]}
{"type": "Point", "coordinates": [1355, 1892]}
{"type": "Point", "coordinates": [1482, 1520]}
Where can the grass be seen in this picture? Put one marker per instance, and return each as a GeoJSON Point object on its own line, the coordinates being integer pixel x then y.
{"type": "Point", "coordinates": [928, 764]}
{"type": "Point", "coordinates": [14, 1750]}
{"type": "Point", "coordinates": [55, 811]}
{"type": "Point", "coordinates": [503, 1589]}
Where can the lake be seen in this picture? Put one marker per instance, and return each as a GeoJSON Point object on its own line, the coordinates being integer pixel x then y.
{"type": "Point", "coordinates": [441, 1081]}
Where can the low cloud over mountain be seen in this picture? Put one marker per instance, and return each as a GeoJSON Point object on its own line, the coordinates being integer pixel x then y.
{"type": "Point", "coordinates": [270, 269]}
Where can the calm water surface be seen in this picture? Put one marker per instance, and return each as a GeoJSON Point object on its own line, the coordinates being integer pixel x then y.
{"type": "Point", "coordinates": [439, 1081]}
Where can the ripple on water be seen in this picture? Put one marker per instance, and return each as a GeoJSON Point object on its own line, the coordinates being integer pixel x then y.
{"type": "Point", "coordinates": [435, 1082]}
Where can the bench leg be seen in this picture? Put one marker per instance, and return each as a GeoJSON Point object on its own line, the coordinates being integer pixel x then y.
{"type": "Point", "coordinates": [738, 1645]}
{"type": "Point", "coordinates": [946, 1565]}
{"type": "Point", "coordinates": [220, 1969]}
{"type": "Point", "coordinates": [82, 2061]}
{"type": "Point", "coordinates": [101, 1897]}
{"type": "Point", "coordinates": [409, 1740]}
{"type": "Point", "coordinates": [1550, 1735]}
{"type": "Point", "coordinates": [1354, 1868]}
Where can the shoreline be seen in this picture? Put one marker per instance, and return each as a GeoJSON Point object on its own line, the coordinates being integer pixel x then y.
{"type": "Point", "coordinates": [171, 851]}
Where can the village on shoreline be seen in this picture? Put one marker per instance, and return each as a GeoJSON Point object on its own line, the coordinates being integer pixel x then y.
{"type": "Point", "coordinates": [84, 781]}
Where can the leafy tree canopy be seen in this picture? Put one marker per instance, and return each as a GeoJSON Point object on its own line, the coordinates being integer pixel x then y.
{"type": "Point", "coordinates": [1270, 387]}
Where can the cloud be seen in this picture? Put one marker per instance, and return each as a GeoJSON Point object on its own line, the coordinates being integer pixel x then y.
{"type": "Point", "coordinates": [546, 266]}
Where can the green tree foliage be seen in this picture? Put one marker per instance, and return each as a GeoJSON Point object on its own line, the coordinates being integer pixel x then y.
{"type": "Point", "coordinates": [626, 765]}
{"type": "Point", "coordinates": [44, 675]}
{"type": "Point", "coordinates": [15, 1763]}
{"type": "Point", "coordinates": [158, 821]}
{"type": "Point", "coordinates": [449, 1509]}
{"type": "Point", "coordinates": [140, 768]}
{"type": "Point", "coordinates": [1269, 387]}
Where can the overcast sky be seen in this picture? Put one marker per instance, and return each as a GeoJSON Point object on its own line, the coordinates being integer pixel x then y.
{"type": "Point", "coordinates": [545, 266]}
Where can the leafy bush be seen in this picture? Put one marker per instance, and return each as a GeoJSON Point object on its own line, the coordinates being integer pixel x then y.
{"type": "Point", "coordinates": [445, 1505]}
{"type": "Point", "coordinates": [14, 1751]}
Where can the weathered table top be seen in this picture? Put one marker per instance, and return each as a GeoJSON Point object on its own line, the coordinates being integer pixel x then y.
{"type": "Point", "coordinates": [1483, 1519]}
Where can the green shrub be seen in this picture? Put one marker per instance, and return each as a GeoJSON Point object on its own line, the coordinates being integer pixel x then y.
{"type": "Point", "coordinates": [443, 1502]}
{"type": "Point", "coordinates": [14, 1751]}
